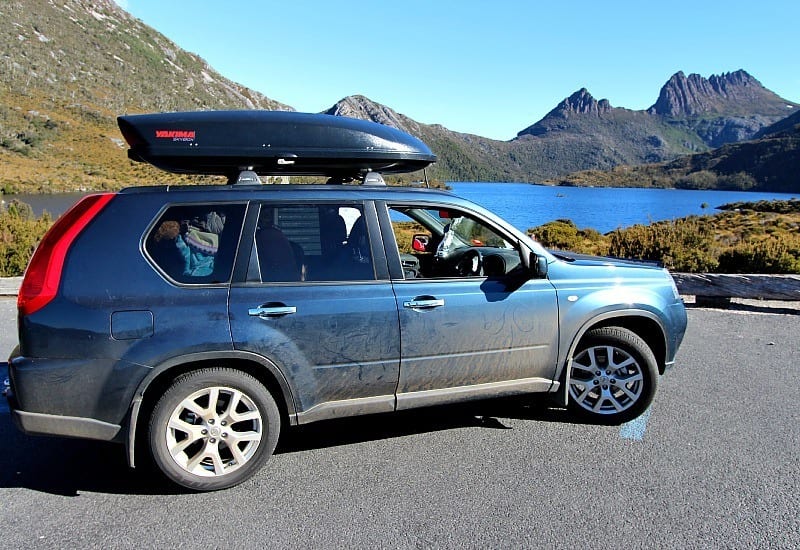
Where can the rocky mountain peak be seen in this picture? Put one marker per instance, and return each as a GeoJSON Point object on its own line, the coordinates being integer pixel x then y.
{"type": "Point", "coordinates": [582, 102]}
{"type": "Point", "coordinates": [728, 93]}
{"type": "Point", "coordinates": [358, 106]}
{"type": "Point", "coordinates": [576, 107]}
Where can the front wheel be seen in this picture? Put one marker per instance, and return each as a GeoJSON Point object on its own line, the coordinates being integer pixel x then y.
{"type": "Point", "coordinates": [213, 428]}
{"type": "Point", "coordinates": [613, 375]}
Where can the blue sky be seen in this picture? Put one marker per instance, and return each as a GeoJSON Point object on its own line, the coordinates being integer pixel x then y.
{"type": "Point", "coordinates": [489, 68]}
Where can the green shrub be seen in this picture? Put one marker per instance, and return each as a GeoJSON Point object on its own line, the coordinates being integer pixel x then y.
{"type": "Point", "coordinates": [772, 255]}
{"type": "Point", "coordinates": [565, 235]}
{"type": "Point", "coordinates": [20, 233]}
{"type": "Point", "coordinates": [686, 244]}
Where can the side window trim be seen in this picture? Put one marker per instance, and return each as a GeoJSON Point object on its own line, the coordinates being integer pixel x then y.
{"type": "Point", "coordinates": [392, 250]}
{"type": "Point", "coordinates": [380, 260]}
{"type": "Point", "coordinates": [241, 271]}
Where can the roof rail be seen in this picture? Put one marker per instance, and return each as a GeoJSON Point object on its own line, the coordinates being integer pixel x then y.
{"type": "Point", "coordinates": [373, 178]}
{"type": "Point", "coordinates": [245, 177]}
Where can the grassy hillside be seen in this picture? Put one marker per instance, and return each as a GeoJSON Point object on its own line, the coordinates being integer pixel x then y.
{"type": "Point", "coordinates": [67, 69]}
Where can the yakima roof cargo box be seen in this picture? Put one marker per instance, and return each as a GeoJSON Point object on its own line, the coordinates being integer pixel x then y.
{"type": "Point", "coordinates": [270, 143]}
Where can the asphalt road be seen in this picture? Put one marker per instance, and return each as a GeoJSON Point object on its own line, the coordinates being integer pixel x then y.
{"type": "Point", "coordinates": [715, 462]}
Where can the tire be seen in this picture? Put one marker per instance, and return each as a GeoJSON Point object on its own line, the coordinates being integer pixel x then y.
{"type": "Point", "coordinates": [213, 429]}
{"type": "Point", "coordinates": [613, 376]}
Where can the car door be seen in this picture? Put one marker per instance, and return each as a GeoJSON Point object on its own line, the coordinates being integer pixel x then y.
{"type": "Point", "coordinates": [474, 333]}
{"type": "Point", "coordinates": [317, 302]}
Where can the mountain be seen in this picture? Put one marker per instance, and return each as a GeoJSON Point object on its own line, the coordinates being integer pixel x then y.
{"type": "Point", "coordinates": [588, 133]}
{"type": "Point", "coordinates": [460, 157]}
{"type": "Point", "coordinates": [68, 69]}
{"type": "Point", "coordinates": [729, 94]}
{"type": "Point", "coordinates": [770, 163]}
{"type": "Point", "coordinates": [692, 114]}
{"type": "Point", "coordinates": [782, 125]}
{"type": "Point", "coordinates": [721, 109]}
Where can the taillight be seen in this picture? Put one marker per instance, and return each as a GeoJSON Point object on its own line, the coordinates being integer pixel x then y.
{"type": "Point", "coordinates": [43, 275]}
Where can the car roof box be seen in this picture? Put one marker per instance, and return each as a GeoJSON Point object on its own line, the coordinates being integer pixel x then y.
{"type": "Point", "coordinates": [270, 143]}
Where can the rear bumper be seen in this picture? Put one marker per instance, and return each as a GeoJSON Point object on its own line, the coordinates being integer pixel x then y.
{"type": "Point", "coordinates": [51, 424]}
{"type": "Point", "coordinates": [81, 398]}
{"type": "Point", "coordinates": [65, 426]}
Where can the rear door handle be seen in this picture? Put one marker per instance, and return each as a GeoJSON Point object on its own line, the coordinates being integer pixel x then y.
{"type": "Point", "coordinates": [426, 303]}
{"type": "Point", "coordinates": [271, 311]}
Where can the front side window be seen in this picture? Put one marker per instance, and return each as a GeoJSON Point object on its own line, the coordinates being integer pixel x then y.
{"type": "Point", "coordinates": [196, 244]}
{"type": "Point", "coordinates": [446, 243]}
{"type": "Point", "coordinates": [312, 242]}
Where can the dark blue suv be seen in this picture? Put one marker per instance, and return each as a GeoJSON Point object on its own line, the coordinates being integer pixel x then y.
{"type": "Point", "coordinates": [201, 320]}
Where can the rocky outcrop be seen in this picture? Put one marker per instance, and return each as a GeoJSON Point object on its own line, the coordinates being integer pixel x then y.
{"type": "Point", "coordinates": [579, 103]}
{"type": "Point", "coordinates": [735, 93]}
{"type": "Point", "coordinates": [358, 106]}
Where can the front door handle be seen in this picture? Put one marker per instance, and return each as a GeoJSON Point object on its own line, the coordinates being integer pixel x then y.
{"type": "Point", "coordinates": [267, 311]}
{"type": "Point", "coordinates": [424, 303]}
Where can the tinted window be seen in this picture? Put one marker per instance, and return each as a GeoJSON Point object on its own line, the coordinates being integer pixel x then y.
{"type": "Point", "coordinates": [322, 242]}
{"type": "Point", "coordinates": [196, 244]}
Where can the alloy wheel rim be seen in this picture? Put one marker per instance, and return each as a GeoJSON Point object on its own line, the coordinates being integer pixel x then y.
{"type": "Point", "coordinates": [214, 431]}
{"type": "Point", "coordinates": [605, 380]}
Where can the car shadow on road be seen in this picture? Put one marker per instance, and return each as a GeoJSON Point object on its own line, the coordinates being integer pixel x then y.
{"type": "Point", "coordinates": [68, 467]}
{"type": "Point", "coordinates": [489, 414]}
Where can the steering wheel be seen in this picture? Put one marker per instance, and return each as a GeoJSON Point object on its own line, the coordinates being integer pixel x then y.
{"type": "Point", "coordinates": [470, 264]}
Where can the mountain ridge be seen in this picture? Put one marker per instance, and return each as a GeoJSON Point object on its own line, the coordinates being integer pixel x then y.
{"type": "Point", "coordinates": [769, 163]}
{"type": "Point", "coordinates": [727, 93]}
{"type": "Point", "coordinates": [71, 67]}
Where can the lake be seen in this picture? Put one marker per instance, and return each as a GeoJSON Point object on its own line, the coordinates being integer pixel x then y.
{"type": "Point", "coordinates": [601, 208]}
{"type": "Point", "coordinates": [526, 205]}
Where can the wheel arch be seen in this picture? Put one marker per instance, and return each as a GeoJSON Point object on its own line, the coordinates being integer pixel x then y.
{"type": "Point", "coordinates": [161, 377]}
{"type": "Point", "coordinates": [644, 324]}
{"type": "Point", "coordinates": [646, 328]}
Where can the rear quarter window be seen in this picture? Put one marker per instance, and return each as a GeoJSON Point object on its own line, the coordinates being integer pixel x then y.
{"type": "Point", "coordinates": [196, 244]}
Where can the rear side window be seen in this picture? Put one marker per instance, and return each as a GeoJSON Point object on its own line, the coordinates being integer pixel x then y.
{"type": "Point", "coordinates": [196, 244]}
{"type": "Point", "coordinates": [314, 242]}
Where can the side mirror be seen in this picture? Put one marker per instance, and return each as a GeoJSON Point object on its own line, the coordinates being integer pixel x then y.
{"type": "Point", "coordinates": [420, 242]}
{"type": "Point", "coordinates": [541, 267]}
{"type": "Point", "coordinates": [535, 266]}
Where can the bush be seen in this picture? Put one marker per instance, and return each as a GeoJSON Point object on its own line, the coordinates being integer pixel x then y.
{"type": "Point", "coordinates": [565, 235]}
{"type": "Point", "coordinates": [682, 245]}
{"type": "Point", "coordinates": [702, 179]}
{"type": "Point", "coordinates": [772, 255]}
{"type": "Point", "coordinates": [20, 233]}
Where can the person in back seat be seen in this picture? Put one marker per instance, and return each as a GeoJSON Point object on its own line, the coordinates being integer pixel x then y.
{"type": "Point", "coordinates": [276, 256]}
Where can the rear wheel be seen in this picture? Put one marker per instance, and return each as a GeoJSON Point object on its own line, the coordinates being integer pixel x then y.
{"type": "Point", "coordinates": [213, 428]}
{"type": "Point", "coordinates": [613, 375]}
